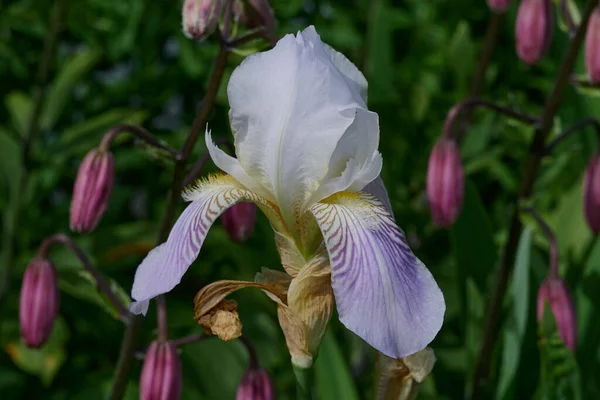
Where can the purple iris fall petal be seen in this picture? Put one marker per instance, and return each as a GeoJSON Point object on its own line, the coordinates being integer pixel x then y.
{"type": "Point", "coordinates": [383, 292]}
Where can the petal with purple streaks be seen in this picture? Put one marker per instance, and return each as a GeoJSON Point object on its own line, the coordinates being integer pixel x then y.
{"type": "Point", "coordinates": [383, 292]}
{"type": "Point", "coordinates": [163, 267]}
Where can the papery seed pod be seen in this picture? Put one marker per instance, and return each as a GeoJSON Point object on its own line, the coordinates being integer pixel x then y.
{"type": "Point", "coordinates": [39, 301]}
{"type": "Point", "coordinates": [499, 6]}
{"type": "Point", "coordinates": [554, 291]}
{"type": "Point", "coordinates": [445, 182]}
{"type": "Point", "coordinates": [161, 373]}
{"type": "Point", "coordinates": [239, 221]}
{"type": "Point", "coordinates": [200, 17]}
{"type": "Point", "coordinates": [255, 385]}
{"type": "Point", "coordinates": [534, 27]}
{"type": "Point", "coordinates": [592, 47]}
{"type": "Point", "coordinates": [591, 194]}
{"type": "Point", "coordinates": [91, 191]}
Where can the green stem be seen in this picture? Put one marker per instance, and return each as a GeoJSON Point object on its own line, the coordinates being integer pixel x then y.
{"type": "Point", "coordinates": [304, 382]}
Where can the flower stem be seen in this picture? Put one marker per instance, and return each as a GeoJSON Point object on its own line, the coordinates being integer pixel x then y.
{"type": "Point", "coordinates": [551, 238]}
{"type": "Point", "coordinates": [140, 133]}
{"type": "Point", "coordinates": [39, 98]}
{"type": "Point", "coordinates": [128, 344]}
{"type": "Point", "coordinates": [530, 168]}
{"type": "Point", "coordinates": [103, 285]}
{"type": "Point", "coordinates": [304, 382]}
{"type": "Point", "coordinates": [575, 128]}
{"type": "Point", "coordinates": [464, 108]}
{"type": "Point", "coordinates": [161, 318]}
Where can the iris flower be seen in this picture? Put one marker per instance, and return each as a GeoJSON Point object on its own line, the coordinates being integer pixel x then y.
{"type": "Point", "coordinates": [306, 147]}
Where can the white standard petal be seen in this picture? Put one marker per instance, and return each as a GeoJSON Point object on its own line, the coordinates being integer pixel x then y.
{"type": "Point", "coordinates": [289, 108]}
{"type": "Point", "coordinates": [232, 166]}
{"type": "Point", "coordinates": [355, 161]}
{"type": "Point", "coordinates": [383, 292]}
{"type": "Point", "coordinates": [163, 267]}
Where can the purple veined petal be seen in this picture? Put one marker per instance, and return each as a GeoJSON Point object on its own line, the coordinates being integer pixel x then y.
{"type": "Point", "coordinates": [164, 266]}
{"type": "Point", "coordinates": [383, 292]}
{"type": "Point", "coordinates": [377, 189]}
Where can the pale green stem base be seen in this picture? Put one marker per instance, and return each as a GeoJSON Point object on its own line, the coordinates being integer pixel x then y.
{"type": "Point", "coordinates": [304, 382]}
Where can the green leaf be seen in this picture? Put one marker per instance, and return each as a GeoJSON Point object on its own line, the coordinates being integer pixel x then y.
{"type": "Point", "coordinates": [473, 240]}
{"type": "Point", "coordinates": [514, 332]}
{"type": "Point", "coordinates": [215, 368]}
{"type": "Point", "coordinates": [10, 163]}
{"type": "Point", "coordinates": [62, 87]}
{"type": "Point", "coordinates": [333, 378]}
{"type": "Point", "coordinates": [574, 234]}
{"type": "Point", "coordinates": [461, 54]}
{"type": "Point", "coordinates": [44, 362]}
{"type": "Point", "coordinates": [19, 106]}
{"type": "Point", "coordinates": [560, 378]}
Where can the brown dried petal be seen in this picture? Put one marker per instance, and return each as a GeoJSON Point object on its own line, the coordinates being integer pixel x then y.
{"type": "Point", "coordinates": [400, 378]}
{"type": "Point", "coordinates": [223, 321]}
{"type": "Point", "coordinates": [219, 316]}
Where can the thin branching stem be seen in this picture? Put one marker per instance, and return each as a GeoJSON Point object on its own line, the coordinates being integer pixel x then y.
{"type": "Point", "coordinates": [138, 132]}
{"type": "Point", "coordinates": [459, 110]}
{"type": "Point", "coordinates": [103, 285]}
{"type": "Point", "coordinates": [551, 239]}
{"type": "Point", "coordinates": [578, 127]}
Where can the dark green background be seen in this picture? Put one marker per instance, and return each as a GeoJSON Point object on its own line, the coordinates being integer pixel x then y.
{"type": "Point", "coordinates": [127, 61]}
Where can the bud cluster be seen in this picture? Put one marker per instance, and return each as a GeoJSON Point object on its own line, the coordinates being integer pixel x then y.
{"type": "Point", "coordinates": [554, 292]}
{"type": "Point", "coordinates": [91, 191]}
{"type": "Point", "coordinates": [161, 373]}
{"type": "Point", "coordinates": [445, 182]}
{"type": "Point", "coordinates": [534, 27]}
{"type": "Point", "coordinates": [38, 305]}
{"type": "Point", "coordinates": [592, 47]}
{"type": "Point", "coordinates": [499, 6]}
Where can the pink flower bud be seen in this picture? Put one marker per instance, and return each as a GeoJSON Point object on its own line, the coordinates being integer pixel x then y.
{"type": "Point", "coordinates": [498, 6]}
{"type": "Point", "coordinates": [445, 182]}
{"type": "Point", "coordinates": [200, 17]}
{"type": "Point", "coordinates": [239, 221]}
{"type": "Point", "coordinates": [91, 191]}
{"type": "Point", "coordinates": [161, 373]}
{"type": "Point", "coordinates": [554, 292]}
{"type": "Point", "coordinates": [534, 26]}
{"type": "Point", "coordinates": [591, 194]}
{"type": "Point", "coordinates": [38, 303]}
{"type": "Point", "coordinates": [255, 385]}
{"type": "Point", "coordinates": [592, 47]}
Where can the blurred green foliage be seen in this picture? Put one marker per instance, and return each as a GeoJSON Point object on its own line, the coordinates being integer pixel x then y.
{"type": "Point", "coordinates": [120, 62]}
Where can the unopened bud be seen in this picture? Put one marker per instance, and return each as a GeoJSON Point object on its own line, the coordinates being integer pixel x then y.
{"type": "Point", "coordinates": [554, 292]}
{"type": "Point", "coordinates": [534, 26]}
{"type": "Point", "coordinates": [592, 47]}
{"type": "Point", "coordinates": [38, 303]}
{"type": "Point", "coordinates": [161, 373]}
{"type": "Point", "coordinates": [239, 221]}
{"type": "Point", "coordinates": [445, 182]}
{"type": "Point", "coordinates": [200, 17]}
{"type": "Point", "coordinates": [591, 194]}
{"type": "Point", "coordinates": [91, 191]}
{"type": "Point", "coordinates": [498, 6]}
{"type": "Point", "coordinates": [255, 385]}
